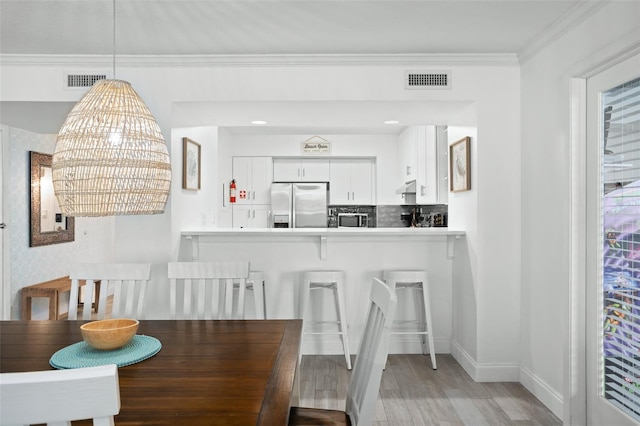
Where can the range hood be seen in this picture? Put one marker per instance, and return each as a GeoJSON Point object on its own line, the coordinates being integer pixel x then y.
{"type": "Point", "coordinates": [407, 188]}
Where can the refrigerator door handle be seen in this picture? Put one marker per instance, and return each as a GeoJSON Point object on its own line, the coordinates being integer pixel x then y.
{"type": "Point", "coordinates": [293, 208]}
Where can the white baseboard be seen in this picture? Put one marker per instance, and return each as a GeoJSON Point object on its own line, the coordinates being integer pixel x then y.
{"type": "Point", "coordinates": [485, 372]}
{"type": "Point", "coordinates": [549, 397]}
{"type": "Point", "coordinates": [510, 373]}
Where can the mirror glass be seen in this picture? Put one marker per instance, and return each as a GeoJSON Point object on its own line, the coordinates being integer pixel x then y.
{"type": "Point", "coordinates": [48, 224]}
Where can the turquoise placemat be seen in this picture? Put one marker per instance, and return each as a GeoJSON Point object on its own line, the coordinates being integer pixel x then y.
{"type": "Point", "coordinates": [82, 355]}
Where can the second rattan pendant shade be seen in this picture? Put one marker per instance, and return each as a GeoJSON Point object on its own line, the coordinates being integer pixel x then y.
{"type": "Point", "coordinates": [110, 157]}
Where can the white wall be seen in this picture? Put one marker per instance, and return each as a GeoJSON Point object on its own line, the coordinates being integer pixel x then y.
{"type": "Point", "coordinates": [493, 90]}
{"type": "Point", "coordinates": [94, 237]}
{"type": "Point", "coordinates": [546, 189]}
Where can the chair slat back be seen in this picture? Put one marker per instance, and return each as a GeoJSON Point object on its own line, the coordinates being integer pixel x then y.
{"type": "Point", "coordinates": [207, 289]}
{"type": "Point", "coordinates": [57, 397]}
{"type": "Point", "coordinates": [127, 282]}
{"type": "Point", "coordinates": [370, 361]}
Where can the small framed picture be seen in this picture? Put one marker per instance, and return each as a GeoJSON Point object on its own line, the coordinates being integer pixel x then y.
{"type": "Point", "coordinates": [190, 164]}
{"type": "Point", "coordinates": [460, 165]}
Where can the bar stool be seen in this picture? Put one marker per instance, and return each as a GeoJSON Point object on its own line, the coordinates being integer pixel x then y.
{"type": "Point", "coordinates": [415, 280]}
{"type": "Point", "coordinates": [326, 280]}
{"type": "Point", "coordinates": [255, 283]}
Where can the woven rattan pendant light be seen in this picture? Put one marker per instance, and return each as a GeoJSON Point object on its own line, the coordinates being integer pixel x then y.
{"type": "Point", "coordinates": [110, 156]}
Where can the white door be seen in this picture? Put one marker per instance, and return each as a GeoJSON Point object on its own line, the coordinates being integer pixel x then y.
{"type": "Point", "coordinates": [612, 267]}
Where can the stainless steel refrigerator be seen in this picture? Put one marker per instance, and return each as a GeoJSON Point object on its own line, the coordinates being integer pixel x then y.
{"type": "Point", "coordinates": [299, 205]}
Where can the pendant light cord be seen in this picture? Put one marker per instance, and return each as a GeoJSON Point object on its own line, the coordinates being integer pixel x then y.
{"type": "Point", "coordinates": [114, 39]}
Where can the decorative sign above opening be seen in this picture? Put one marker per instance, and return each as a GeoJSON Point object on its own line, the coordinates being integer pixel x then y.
{"type": "Point", "coordinates": [316, 145]}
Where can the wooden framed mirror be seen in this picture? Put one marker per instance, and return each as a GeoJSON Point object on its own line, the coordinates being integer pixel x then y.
{"type": "Point", "coordinates": [48, 224]}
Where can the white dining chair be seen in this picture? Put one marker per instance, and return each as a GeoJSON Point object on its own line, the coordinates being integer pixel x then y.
{"type": "Point", "coordinates": [205, 290]}
{"type": "Point", "coordinates": [367, 370]}
{"type": "Point", "coordinates": [127, 282]}
{"type": "Point", "coordinates": [57, 397]}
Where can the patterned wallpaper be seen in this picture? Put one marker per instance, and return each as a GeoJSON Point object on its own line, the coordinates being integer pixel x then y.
{"type": "Point", "coordinates": [94, 237]}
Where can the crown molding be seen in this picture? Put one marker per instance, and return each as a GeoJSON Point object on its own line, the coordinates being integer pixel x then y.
{"type": "Point", "coordinates": [182, 61]}
{"type": "Point", "coordinates": [561, 26]}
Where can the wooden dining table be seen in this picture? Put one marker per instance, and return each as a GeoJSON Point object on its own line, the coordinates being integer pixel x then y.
{"type": "Point", "coordinates": [218, 372]}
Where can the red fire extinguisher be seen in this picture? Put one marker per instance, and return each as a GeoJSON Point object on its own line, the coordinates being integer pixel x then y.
{"type": "Point", "coordinates": [232, 191]}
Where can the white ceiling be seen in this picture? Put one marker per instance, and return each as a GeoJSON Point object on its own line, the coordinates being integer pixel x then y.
{"type": "Point", "coordinates": [214, 27]}
{"type": "Point", "coordinates": [274, 27]}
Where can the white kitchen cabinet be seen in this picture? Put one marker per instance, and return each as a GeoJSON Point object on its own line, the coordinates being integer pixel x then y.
{"type": "Point", "coordinates": [253, 176]}
{"type": "Point", "coordinates": [442, 163]}
{"type": "Point", "coordinates": [251, 216]}
{"type": "Point", "coordinates": [427, 145]}
{"type": "Point", "coordinates": [301, 170]}
{"type": "Point", "coordinates": [426, 176]}
{"type": "Point", "coordinates": [351, 182]}
{"type": "Point", "coordinates": [408, 152]}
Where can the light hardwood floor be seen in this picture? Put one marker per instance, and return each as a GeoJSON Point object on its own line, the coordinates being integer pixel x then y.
{"type": "Point", "coordinates": [412, 393]}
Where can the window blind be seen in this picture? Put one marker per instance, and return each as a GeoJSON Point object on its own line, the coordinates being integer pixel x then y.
{"type": "Point", "coordinates": [621, 247]}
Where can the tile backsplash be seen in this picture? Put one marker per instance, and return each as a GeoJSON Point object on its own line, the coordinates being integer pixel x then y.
{"type": "Point", "coordinates": [335, 210]}
{"type": "Point", "coordinates": [400, 216]}
{"type": "Point", "coordinates": [393, 216]}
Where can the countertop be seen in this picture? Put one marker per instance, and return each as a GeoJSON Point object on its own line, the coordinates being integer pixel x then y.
{"type": "Point", "coordinates": [324, 232]}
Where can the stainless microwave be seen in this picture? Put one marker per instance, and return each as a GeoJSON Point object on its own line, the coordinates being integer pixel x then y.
{"type": "Point", "coordinates": [353, 220]}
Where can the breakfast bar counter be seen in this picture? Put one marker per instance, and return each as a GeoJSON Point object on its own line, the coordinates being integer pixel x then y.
{"type": "Point", "coordinates": [362, 253]}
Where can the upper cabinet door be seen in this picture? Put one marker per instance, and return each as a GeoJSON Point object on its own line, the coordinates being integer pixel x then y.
{"type": "Point", "coordinates": [315, 169]}
{"type": "Point", "coordinates": [253, 177]}
{"type": "Point", "coordinates": [351, 182]}
{"type": "Point", "coordinates": [362, 181]}
{"type": "Point", "coordinates": [261, 178]}
{"type": "Point", "coordinates": [427, 171]}
{"type": "Point", "coordinates": [340, 184]}
{"type": "Point", "coordinates": [301, 170]}
{"type": "Point", "coordinates": [242, 176]}
{"type": "Point", "coordinates": [286, 170]}
{"type": "Point", "coordinates": [408, 153]}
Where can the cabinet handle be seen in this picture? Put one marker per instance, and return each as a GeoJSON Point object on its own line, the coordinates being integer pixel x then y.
{"type": "Point", "coordinates": [303, 172]}
{"type": "Point", "coordinates": [298, 171]}
{"type": "Point", "coordinates": [254, 195]}
{"type": "Point", "coordinates": [423, 190]}
{"type": "Point", "coordinates": [353, 196]}
{"type": "Point", "coordinates": [348, 196]}
{"type": "Point", "coordinates": [408, 170]}
{"type": "Point", "coordinates": [248, 214]}
{"type": "Point", "coordinates": [224, 196]}
{"type": "Point", "coordinates": [254, 214]}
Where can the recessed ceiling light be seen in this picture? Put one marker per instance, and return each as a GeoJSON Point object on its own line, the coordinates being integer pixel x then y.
{"type": "Point", "coordinates": [391, 122]}
{"type": "Point", "coordinates": [258, 122]}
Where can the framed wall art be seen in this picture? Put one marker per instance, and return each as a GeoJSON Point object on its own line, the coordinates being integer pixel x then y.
{"type": "Point", "coordinates": [190, 164]}
{"type": "Point", "coordinates": [460, 165]}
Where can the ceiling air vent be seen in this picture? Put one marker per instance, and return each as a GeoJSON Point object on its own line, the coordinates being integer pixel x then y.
{"type": "Point", "coordinates": [81, 81]}
{"type": "Point", "coordinates": [427, 80]}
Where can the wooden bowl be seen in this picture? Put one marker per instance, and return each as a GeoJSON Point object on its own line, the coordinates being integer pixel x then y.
{"type": "Point", "coordinates": [110, 333]}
